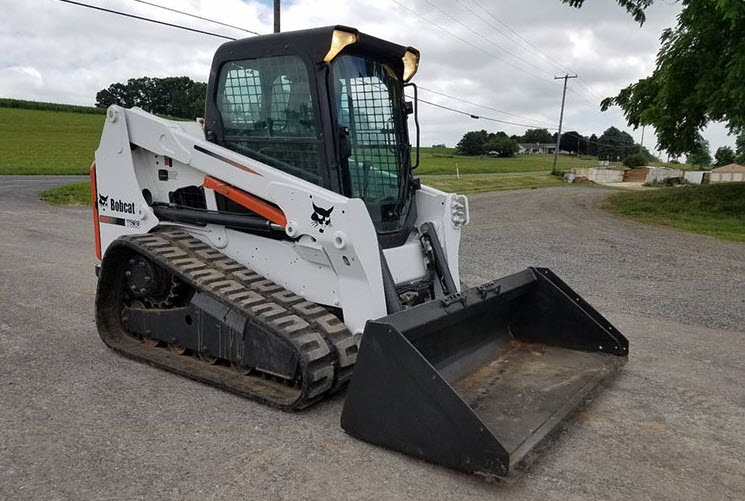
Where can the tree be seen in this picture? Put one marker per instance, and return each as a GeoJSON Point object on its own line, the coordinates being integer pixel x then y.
{"type": "Point", "coordinates": [724, 156]}
{"type": "Point", "coordinates": [503, 145]}
{"type": "Point", "coordinates": [701, 155]}
{"type": "Point", "coordinates": [615, 145]}
{"type": "Point", "coordinates": [635, 160]}
{"type": "Point", "coordinates": [699, 75]}
{"type": "Point", "coordinates": [573, 142]}
{"type": "Point", "coordinates": [173, 96]}
{"type": "Point", "coordinates": [740, 149]}
{"type": "Point", "coordinates": [648, 157]}
{"type": "Point", "coordinates": [592, 145]}
{"type": "Point", "coordinates": [537, 136]}
{"type": "Point", "coordinates": [472, 143]}
{"type": "Point", "coordinates": [117, 93]}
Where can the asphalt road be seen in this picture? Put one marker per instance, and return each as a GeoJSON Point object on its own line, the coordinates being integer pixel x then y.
{"type": "Point", "coordinates": [78, 421]}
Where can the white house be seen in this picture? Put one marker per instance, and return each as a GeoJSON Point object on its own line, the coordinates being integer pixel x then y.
{"type": "Point", "coordinates": [535, 148]}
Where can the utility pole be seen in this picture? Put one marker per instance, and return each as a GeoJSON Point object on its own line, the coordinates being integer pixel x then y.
{"type": "Point", "coordinates": [561, 118]}
{"type": "Point", "coordinates": [642, 143]}
{"type": "Point", "coordinates": [276, 16]}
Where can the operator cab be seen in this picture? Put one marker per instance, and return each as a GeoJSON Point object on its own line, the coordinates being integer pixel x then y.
{"type": "Point", "coordinates": [326, 105]}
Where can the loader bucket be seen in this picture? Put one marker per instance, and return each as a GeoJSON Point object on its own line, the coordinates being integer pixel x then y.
{"type": "Point", "coordinates": [477, 380]}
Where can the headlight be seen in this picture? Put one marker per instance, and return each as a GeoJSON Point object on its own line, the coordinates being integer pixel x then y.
{"type": "Point", "coordinates": [339, 40]}
{"type": "Point", "coordinates": [459, 210]}
{"type": "Point", "coordinates": [411, 63]}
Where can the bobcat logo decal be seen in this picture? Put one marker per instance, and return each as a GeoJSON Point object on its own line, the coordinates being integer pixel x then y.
{"type": "Point", "coordinates": [321, 218]}
{"type": "Point", "coordinates": [102, 200]}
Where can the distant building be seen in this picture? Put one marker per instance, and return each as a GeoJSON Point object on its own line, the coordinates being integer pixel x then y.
{"type": "Point", "coordinates": [727, 174]}
{"type": "Point", "coordinates": [535, 148]}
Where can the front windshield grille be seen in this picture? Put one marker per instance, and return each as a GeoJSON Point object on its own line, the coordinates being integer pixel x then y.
{"type": "Point", "coordinates": [368, 104]}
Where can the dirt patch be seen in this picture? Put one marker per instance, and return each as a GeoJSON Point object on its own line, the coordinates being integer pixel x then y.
{"type": "Point", "coordinates": [638, 175]}
{"type": "Point", "coordinates": [582, 180]}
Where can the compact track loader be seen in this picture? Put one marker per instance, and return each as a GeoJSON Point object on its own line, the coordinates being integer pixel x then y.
{"type": "Point", "coordinates": [281, 248]}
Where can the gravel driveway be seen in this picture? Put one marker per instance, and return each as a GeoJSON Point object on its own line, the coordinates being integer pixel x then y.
{"type": "Point", "coordinates": [619, 265]}
{"type": "Point", "coordinates": [80, 422]}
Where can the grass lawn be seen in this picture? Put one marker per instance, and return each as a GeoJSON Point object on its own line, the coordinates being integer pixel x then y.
{"type": "Point", "coordinates": [475, 184]}
{"type": "Point", "coordinates": [443, 161]}
{"type": "Point", "coordinates": [71, 194]}
{"type": "Point", "coordinates": [47, 142]}
{"type": "Point", "coordinates": [714, 209]}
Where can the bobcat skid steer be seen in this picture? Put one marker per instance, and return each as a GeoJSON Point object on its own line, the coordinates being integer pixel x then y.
{"type": "Point", "coordinates": [281, 248]}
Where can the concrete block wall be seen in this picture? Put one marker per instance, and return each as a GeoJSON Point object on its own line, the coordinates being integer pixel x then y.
{"type": "Point", "coordinates": [694, 176]}
{"type": "Point", "coordinates": [595, 174]}
{"type": "Point", "coordinates": [657, 174]}
{"type": "Point", "coordinates": [727, 177]}
{"type": "Point", "coordinates": [605, 175]}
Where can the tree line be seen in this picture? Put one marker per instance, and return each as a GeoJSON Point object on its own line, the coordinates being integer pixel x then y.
{"type": "Point", "coordinates": [613, 144]}
{"type": "Point", "coordinates": [178, 97]}
{"type": "Point", "coordinates": [181, 97]}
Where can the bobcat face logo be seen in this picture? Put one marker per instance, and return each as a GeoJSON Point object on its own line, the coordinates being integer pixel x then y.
{"type": "Point", "coordinates": [321, 218]}
{"type": "Point", "coordinates": [102, 200]}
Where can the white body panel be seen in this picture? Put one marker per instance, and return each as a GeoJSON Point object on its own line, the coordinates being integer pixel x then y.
{"type": "Point", "coordinates": [335, 265]}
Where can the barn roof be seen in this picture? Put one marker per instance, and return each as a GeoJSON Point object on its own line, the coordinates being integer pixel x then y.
{"type": "Point", "coordinates": [730, 168]}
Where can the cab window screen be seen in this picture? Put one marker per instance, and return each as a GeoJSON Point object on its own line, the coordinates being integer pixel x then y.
{"type": "Point", "coordinates": [267, 114]}
{"type": "Point", "coordinates": [368, 103]}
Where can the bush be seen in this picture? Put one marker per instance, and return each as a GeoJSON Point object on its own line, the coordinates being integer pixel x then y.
{"type": "Point", "coordinates": [635, 160]}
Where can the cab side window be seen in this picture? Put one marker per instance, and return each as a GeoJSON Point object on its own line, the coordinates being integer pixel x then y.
{"type": "Point", "coordinates": [267, 114]}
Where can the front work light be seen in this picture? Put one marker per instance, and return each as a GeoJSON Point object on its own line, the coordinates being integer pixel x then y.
{"type": "Point", "coordinates": [411, 63]}
{"type": "Point", "coordinates": [339, 40]}
{"type": "Point", "coordinates": [459, 211]}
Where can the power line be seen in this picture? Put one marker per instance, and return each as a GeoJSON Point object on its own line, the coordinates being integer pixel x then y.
{"type": "Point", "coordinates": [141, 18]}
{"type": "Point", "coordinates": [483, 106]}
{"type": "Point", "coordinates": [580, 80]}
{"type": "Point", "coordinates": [561, 66]}
{"type": "Point", "coordinates": [476, 117]}
{"type": "Point", "coordinates": [467, 42]}
{"type": "Point", "coordinates": [497, 29]}
{"type": "Point", "coordinates": [449, 16]}
{"type": "Point", "coordinates": [448, 108]}
{"type": "Point", "coordinates": [588, 140]}
{"type": "Point", "coordinates": [595, 106]}
{"type": "Point", "coordinates": [147, 19]}
{"type": "Point", "coordinates": [540, 52]}
{"type": "Point", "coordinates": [195, 16]}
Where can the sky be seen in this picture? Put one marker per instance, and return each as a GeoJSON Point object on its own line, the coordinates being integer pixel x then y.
{"type": "Point", "coordinates": [500, 54]}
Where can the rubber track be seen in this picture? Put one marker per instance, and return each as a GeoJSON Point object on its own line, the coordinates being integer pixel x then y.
{"type": "Point", "coordinates": [320, 337]}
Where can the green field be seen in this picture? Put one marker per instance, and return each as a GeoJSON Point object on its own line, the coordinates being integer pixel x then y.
{"type": "Point", "coordinates": [48, 142]}
{"type": "Point", "coordinates": [715, 209]}
{"type": "Point", "coordinates": [493, 182]}
{"type": "Point", "coordinates": [444, 161]}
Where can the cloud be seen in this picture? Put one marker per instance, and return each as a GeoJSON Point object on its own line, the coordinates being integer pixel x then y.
{"type": "Point", "coordinates": [59, 52]}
